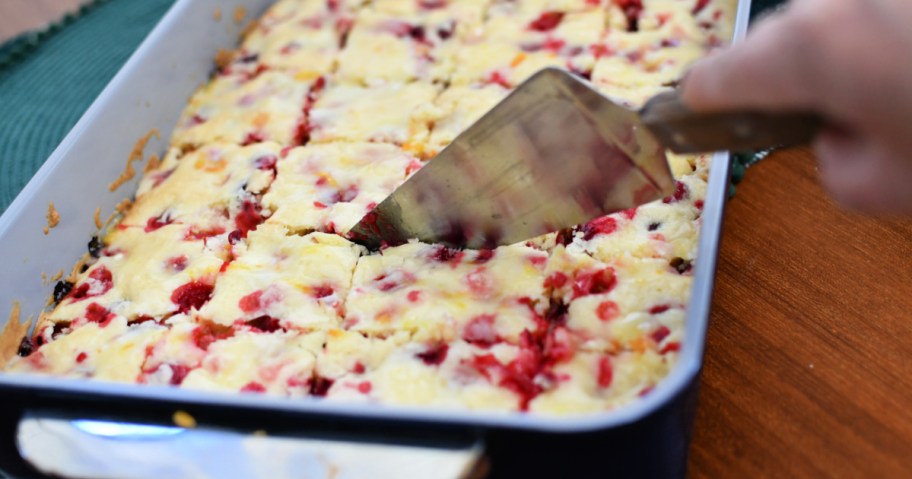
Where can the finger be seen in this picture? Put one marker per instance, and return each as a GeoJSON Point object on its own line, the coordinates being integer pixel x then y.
{"type": "Point", "coordinates": [772, 70]}
{"type": "Point", "coordinates": [861, 175]}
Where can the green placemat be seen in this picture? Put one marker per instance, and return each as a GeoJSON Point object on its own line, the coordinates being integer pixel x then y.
{"type": "Point", "coordinates": [48, 79]}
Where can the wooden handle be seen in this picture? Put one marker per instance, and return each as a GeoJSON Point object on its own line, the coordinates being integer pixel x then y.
{"type": "Point", "coordinates": [685, 131]}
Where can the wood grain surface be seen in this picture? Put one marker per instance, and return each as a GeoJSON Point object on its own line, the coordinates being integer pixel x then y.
{"type": "Point", "coordinates": [808, 368]}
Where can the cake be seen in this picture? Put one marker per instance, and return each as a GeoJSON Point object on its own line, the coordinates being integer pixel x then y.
{"type": "Point", "coordinates": [232, 271]}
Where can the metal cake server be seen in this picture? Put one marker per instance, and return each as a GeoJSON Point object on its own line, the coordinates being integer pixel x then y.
{"type": "Point", "coordinates": [554, 154]}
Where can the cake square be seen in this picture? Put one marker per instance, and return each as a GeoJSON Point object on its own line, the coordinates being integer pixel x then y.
{"type": "Point", "coordinates": [438, 294]}
{"type": "Point", "coordinates": [516, 45]}
{"type": "Point", "coordinates": [627, 303]}
{"type": "Point", "coordinates": [397, 113]}
{"type": "Point", "coordinates": [284, 281]}
{"type": "Point", "coordinates": [588, 382]}
{"type": "Point", "coordinates": [329, 187]}
{"type": "Point", "coordinates": [280, 362]}
{"type": "Point", "coordinates": [210, 192]}
{"type": "Point", "coordinates": [241, 109]}
{"type": "Point", "coordinates": [112, 350]}
{"type": "Point", "coordinates": [667, 229]}
{"type": "Point", "coordinates": [402, 41]}
{"type": "Point", "coordinates": [457, 108]}
{"type": "Point", "coordinates": [142, 274]}
{"type": "Point", "coordinates": [452, 375]}
{"type": "Point", "coordinates": [303, 41]}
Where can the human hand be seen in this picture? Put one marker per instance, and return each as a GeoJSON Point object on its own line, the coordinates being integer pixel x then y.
{"type": "Point", "coordinates": [849, 61]}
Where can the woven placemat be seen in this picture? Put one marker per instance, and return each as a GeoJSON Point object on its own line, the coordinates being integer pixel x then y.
{"type": "Point", "coordinates": [48, 78]}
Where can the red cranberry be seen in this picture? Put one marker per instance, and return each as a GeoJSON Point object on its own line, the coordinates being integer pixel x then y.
{"type": "Point", "coordinates": [681, 192]}
{"type": "Point", "coordinates": [157, 222]}
{"type": "Point", "coordinates": [192, 295]}
{"type": "Point", "coordinates": [605, 372]}
{"type": "Point", "coordinates": [480, 331]}
{"type": "Point", "coordinates": [266, 324]}
{"type": "Point", "coordinates": [176, 264]}
{"type": "Point", "coordinates": [99, 282]}
{"type": "Point", "coordinates": [253, 387]}
{"type": "Point", "coordinates": [208, 332]}
{"type": "Point", "coordinates": [598, 282]}
{"type": "Point", "coordinates": [266, 163]}
{"type": "Point", "coordinates": [96, 313]}
{"type": "Point", "coordinates": [319, 386]}
{"type": "Point", "coordinates": [632, 10]}
{"type": "Point", "coordinates": [322, 291]}
{"type": "Point", "coordinates": [607, 310]}
{"type": "Point", "coordinates": [253, 137]}
{"type": "Point", "coordinates": [248, 218]}
{"type": "Point", "coordinates": [599, 226]}
{"type": "Point", "coordinates": [556, 280]}
{"type": "Point", "coordinates": [660, 333]}
{"type": "Point", "coordinates": [435, 354]}
{"type": "Point", "coordinates": [443, 255]}
{"type": "Point", "coordinates": [195, 234]}
{"type": "Point", "coordinates": [547, 21]}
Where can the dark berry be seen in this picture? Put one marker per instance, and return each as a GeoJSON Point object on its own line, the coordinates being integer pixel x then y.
{"type": "Point", "coordinates": [61, 289]}
{"type": "Point", "coordinates": [319, 386]}
{"type": "Point", "coordinates": [26, 347]}
{"type": "Point", "coordinates": [95, 247]}
{"type": "Point", "coordinates": [192, 295]}
{"type": "Point", "coordinates": [434, 355]}
{"type": "Point", "coordinates": [266, 324]}
{"type": "Point", "coordinates": [546, 21]}
{"type": "Point", "coordinates": [681, 265]}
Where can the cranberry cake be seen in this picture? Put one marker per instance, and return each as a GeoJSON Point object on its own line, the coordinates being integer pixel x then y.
{"type": "Point", "coordinates": [232, 271]}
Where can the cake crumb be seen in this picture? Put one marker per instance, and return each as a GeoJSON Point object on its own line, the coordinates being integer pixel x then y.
{"type": "Point", "coordinates": [223, 58]}
{"type": "Point", "coordinates": [53, 218]}
{"type": "Point", "coordinates": [97, 218]}
{"type": "Point", "coordinates": [44, 279]}
{"type": "Point", "coordinates": [249, 28]}
{"type": "Point", "coordinates": [12, 335]}
{"type": "Point", "coordinates": [124, 206]}
{"type": "Point", "coordinates": [217, 14]}
{"type": "Point", "coordinates": [240, 13]}
{"type": "Point", "coordinates": [184, 419]}
{"type": "Point", "coordinates": [77, 268]}
{"type": "Point", "coordinates": [57, 276]}
{"type": "Point", "coordinates": [136, 154]}
{"type": "Point", "coordinates": [153, 163]}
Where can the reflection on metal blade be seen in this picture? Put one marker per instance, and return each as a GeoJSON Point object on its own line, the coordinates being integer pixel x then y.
{"type": "Point", "coordinates": [553, 154]}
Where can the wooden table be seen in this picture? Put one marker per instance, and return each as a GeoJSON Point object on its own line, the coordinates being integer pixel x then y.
{"type": "Point", "coordinates": [808, 369]}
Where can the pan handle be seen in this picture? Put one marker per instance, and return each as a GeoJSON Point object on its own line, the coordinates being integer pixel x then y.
{"type": "Point", "coordinates": [72, 447]}
{"type": "Point", "coordinates": [684, 131]}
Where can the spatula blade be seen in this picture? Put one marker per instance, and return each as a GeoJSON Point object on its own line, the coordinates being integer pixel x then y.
{"type": "Point", "coordinates": [554, 154]}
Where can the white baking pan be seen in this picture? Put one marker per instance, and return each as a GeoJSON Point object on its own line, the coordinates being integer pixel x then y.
{"type": "Point", "coordinates": [649, 436]}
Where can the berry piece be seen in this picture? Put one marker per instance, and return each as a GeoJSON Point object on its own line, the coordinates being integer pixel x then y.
{"type": "Point", "coordinates": [547, 21]}
{"type": "Point", "coordinates": [434, 355]}
{"type": "Point", "coordinates": [192, 295]}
